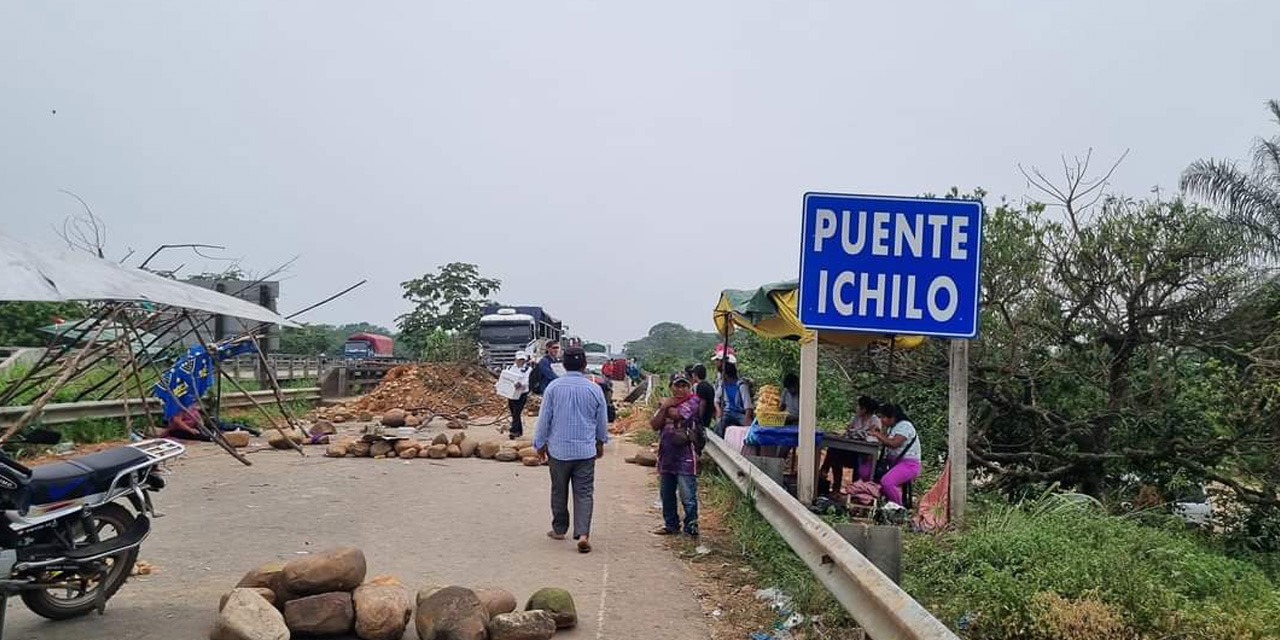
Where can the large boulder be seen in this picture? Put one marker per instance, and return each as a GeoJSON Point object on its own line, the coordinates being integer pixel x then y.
{"type": "Point", "coordinates": [326, 614]}
{"type": "Point", "coordinates": [340, 569]}
{"type": "Point", "coordinates": [453, 451]}
{"type": "Point", "coordinates": [457, 438]}
{"type": "Point", "coordinates": [279, 441]}
{"type": "Point", "coordinates": [412, 421]}
{"type": "Point", "coordinates": [405, 444]}
{"type": "Point", "coordinates": [440, 439]}
{"type": "Point", "coordinates": [337, 449]}
{"type": "Point", "coordinates": [489, 448]}
{"type": "Point", "coordinates": [381, 449]}
{"type": "Point", "coordinates": [323, 426]}
{"type": "Point", "coordinates": [438, 451]}
{"type": "Point", "coordinates": [451, 613]}
{"type": "Point", "coordinates": [524, 625]}
{"type": "Point", "coordinates": [496, 601]}
{"type": "Point", "coordinates": [394, 418]}
{"type": "Point", "coordinates": [267, 594]}
{"type": "Point", "coordinates": [556, 602]}
{"type": "Point", "coordinates": [248, 616]}
{"type": "Point", "coordinates": [238, 439]}
{"type": "Point", "coordinates": [506, 455]}
{"type": "Point", "coordinates": [411, 452]}
{"type": "Point", "coordinates": [528, 452]}
{"type": "Point", "coordinates": [383, 609]}
{"type": "Point", "coordinates": [468, 447]}
{"type": "Point", "coordinates": [269, 576]}
{"type": "Point", "coordinates": [521, 443]}
{"type": "Point", "coordinates": [531, 461]}
{"type": "Point", "coordinates": [360, 449]}
{"type": "Point", "coordinates": [645, 459]}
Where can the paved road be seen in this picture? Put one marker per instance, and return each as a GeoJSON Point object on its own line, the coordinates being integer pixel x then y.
{"type": "Point", "coordinates": [470, 522]}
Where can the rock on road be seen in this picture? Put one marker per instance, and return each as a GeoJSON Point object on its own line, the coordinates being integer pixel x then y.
{"type": "Point", "coordinates": [470, 522]}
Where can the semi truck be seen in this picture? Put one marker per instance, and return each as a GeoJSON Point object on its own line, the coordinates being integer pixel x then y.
{"type": "Point", "coordinates": [368, 345]}
{"type": "Point", "coordinates": [504, 330]}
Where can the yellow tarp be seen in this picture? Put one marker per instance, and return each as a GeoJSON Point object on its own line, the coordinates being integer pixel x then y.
{"type": "Point", "coordinates": [784, 323]}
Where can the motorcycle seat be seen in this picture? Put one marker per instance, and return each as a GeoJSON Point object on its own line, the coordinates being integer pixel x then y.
{"type": "Point", "coordinates": [80, 477]}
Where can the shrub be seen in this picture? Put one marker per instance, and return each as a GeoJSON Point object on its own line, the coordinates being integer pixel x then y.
{"type": "Point", "coordinates": [1020, 572]}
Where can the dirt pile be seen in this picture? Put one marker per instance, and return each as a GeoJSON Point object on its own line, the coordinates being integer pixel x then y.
{"type": "Point", "coordinates": [448, 388]}
{"type": "Point", "coordinates": [636, 420]}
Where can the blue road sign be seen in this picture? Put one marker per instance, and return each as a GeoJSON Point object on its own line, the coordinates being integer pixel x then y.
{"type": "Point", "coordinates": [882, 264]}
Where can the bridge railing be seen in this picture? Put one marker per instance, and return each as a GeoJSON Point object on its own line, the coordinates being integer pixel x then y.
{"type": "Point", "coordinates": [878, 605]}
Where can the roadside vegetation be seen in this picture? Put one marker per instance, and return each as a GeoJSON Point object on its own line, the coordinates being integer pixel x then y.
{"type": "Point", "coordinates": [1060, 569]}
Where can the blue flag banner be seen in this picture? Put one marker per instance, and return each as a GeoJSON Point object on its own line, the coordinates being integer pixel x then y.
{"type": "Point", "coordinates": [192, 375]}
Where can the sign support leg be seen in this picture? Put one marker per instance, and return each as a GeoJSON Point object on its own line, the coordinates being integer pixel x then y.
{"type": "Point", "coordinates": [807, 462]}
{"type": "Point", "coordinates": [958, 429]}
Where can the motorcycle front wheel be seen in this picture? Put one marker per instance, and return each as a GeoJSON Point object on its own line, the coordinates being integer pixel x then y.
{"type": "Point", "coordinates": [60, 603]}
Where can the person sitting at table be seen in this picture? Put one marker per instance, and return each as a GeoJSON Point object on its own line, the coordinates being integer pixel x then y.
{"type": "Point", "coordinates": [900, 464]}
{"type": "Point", "coordinates": [836, 461]}
{"type": "Point", "coordinates": [790, 400]}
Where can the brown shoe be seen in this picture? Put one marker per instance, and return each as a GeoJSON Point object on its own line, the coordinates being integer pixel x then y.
{"type": "Point", "coordinates": [584, 546]}
{"type": "Point", "coordinates": [555, 536]}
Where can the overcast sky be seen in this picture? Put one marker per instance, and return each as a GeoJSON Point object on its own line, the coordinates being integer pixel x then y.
{"type": "Point", "coordinates": [618, 165]}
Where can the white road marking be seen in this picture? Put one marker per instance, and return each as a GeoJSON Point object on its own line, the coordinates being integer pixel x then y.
{"type": "Point", "coordinates": [604, 571]}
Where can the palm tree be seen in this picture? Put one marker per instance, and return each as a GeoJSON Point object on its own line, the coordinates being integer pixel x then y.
{"type": "Point", "coordinates": [1250, 198]}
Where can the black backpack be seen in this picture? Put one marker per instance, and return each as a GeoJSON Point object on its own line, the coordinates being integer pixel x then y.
{"type": "Point", "coordinates": [536, 383]}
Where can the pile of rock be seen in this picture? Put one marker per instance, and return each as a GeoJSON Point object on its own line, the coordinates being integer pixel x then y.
{"type": "Point", "coordinates": [459, 613]}
{"type": "Point", "coordinates": [456, 445]}
{"type": "Point", "coordinates": [317, 595]}
{"type": "Point", "coordinates": [445, 387]}
{"type": "Point", "coordinates": [510, 451]}
{"type": "Point", "coordinates": [326, 595]}
{"type": "Point", "coordinates": [370, 446]}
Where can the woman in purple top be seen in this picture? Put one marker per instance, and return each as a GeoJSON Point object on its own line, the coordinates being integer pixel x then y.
{"type": "Point", "coordinates": [678, 419]}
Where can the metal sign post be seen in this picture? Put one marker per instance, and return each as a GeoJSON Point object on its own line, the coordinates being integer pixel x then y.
{"type": "Point", "coordinates": [891, 266]}
{"type": "Point", "coordinates": [808, 454]}
{"type": "Point", "coordinates": [958, 429]}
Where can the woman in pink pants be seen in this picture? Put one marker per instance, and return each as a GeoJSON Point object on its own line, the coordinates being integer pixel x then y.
{"type": "Point", "coordinates": [898, 435]}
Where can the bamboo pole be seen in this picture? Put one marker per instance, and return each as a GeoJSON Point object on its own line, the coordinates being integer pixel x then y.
{"type": "Point", "coordinates": [68, 369]}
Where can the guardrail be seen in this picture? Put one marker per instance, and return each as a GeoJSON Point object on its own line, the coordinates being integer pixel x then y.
{"type": "Point", "coordinates": [64, 412]}
{"type": "Point", "coordinates": [878, 605]}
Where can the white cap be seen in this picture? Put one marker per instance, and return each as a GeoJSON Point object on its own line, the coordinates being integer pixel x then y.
{"type": "Point", "coordinates": [520, 355]}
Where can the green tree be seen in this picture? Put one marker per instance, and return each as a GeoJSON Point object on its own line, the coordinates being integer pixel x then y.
{"type": "Point", "coordinates": [450, 301]}
{"type": "Point", "coordinates": [1250, 197]}
{"type": "Point", "coordinates": [671, 346]}
{"type": "Point", "coordinates": [20, 321]}
{"type": "Point", "coordinates": [311, 339]}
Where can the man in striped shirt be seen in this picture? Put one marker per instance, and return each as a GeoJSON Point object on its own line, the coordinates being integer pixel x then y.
{"type": "Point", "coordinates": [573, 427]}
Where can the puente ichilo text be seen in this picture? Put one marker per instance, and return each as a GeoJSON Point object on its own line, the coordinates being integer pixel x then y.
{"type": "Point", "coordinates": [893, 235]}
{"type": "Point", "coordinates": [891, 265]}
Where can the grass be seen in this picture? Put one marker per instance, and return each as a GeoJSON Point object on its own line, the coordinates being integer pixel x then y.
{"type": "Point", "coordinates": [253, 418]}
{"type": "Point", "coordinates": [69, 391]}
{"type": "Point", "coordinates": [1048, 573]}
{"type": "Point", "coordinates": [766, 551]}
{"type": "Point", "coordinates": [644, 437]}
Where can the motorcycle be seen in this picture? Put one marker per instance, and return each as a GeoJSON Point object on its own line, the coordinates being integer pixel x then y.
{"type": "Point", "coordinates": [67, 544]}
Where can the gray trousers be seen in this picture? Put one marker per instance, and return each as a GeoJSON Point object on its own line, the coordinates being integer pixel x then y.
{"type": "Point", "coordinates": [582, 474]}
